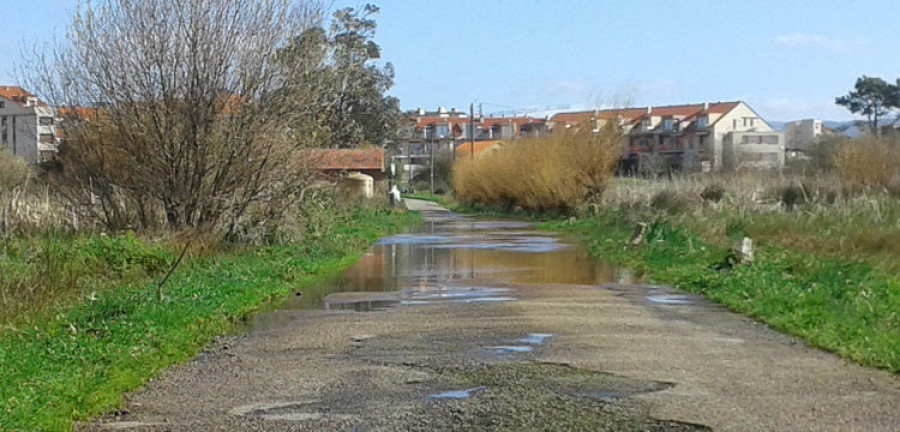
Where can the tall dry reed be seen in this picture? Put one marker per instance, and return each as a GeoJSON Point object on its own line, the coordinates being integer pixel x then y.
{"type": "Point", "coordinates": [558, 173]}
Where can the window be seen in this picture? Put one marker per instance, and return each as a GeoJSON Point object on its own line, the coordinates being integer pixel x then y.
{"type": "Point", "coordinates": [46, 121]}
{"type": "Point", "coordinates": [668, 125]}
{"type": "Point", "coordinates": [2, 104]}
{"type": "Point", "coordinates": [701, 122]}
{"type": "Point", "coordinates": [734, 124]}
{"type": "Point", "coordinates": [46, 138]}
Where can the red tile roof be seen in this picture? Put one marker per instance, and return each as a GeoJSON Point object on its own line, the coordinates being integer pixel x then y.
{"type": "Point", "coordinates": [350, 160]}
{"type": "Point", "coordinates": [634, 114]}
{"type": "Point", "coordinates": [462, 150]}
{"type": "Point", "coordinates": [518, 121]}
{"type": "Point", "coordinates": [17, 94]}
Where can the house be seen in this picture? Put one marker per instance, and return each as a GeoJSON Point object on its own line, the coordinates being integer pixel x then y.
{"type": "Point", "coordinates": [694, 137]}
{"type": "Point", "coordinates": [445, 130]}
{"type": "Point", "coordinates": [801, 134]}
{"type": "Point", "coordinates": [27, 125]}
{"type": "Point", "coordinates": [336, 163]}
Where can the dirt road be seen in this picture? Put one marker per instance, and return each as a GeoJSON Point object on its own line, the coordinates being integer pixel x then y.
{"type": "Point", "coordinates": [472, 325]}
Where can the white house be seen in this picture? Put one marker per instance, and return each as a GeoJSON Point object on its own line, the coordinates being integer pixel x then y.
{"type": "Point", "coordinates": [27, 125]}
{"type": "Point", "coordinates": [801, 134]}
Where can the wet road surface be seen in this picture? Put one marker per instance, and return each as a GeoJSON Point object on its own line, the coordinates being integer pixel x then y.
{"type": "Point", "coordinates": [491, 325]}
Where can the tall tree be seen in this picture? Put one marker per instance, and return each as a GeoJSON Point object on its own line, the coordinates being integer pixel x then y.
{"type": "Point", "coordinates": [351, 107]}
{"type": "Point", "coordinates": [872, 97]}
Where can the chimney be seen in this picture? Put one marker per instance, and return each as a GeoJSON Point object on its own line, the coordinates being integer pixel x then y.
{"type": "Point", "coordinates": [649, 110]}
{"type": "Point", "coordinates": [705, 106]}
{"type": "Point", "coordinates": [421, 112]}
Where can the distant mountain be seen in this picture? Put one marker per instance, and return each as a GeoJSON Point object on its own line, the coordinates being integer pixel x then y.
{"type": "Point", "coordinates": [847, 127]}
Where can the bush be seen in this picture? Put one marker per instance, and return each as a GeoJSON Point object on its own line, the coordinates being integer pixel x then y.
{"type": "Point", "coordinates": [669, 201]}
{"type": "Point", "coordinates": [791, 195]}
{"type": "Point", "coordinates": [14, 172]}
{"type": "Point", "coordinates": [714, 193]}
{"type": "Point", "coordinates": [556, 173]}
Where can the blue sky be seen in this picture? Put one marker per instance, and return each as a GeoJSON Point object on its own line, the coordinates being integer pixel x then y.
{"type": "Point", "coordinates": [787, 59]}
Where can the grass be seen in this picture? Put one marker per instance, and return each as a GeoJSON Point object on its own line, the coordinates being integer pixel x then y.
{"type": "Point", "coordinates": [72, 361]}
{"type": "Point", "coordinates": [849, 307]}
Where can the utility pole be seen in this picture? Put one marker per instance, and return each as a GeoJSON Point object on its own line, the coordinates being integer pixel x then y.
{"type": "Point", "coordinates": [472, 131]}
{"type": "Point", "coordinates": [432, 168]}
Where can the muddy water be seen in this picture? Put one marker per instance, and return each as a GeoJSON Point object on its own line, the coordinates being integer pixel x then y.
{"type": "Point", "coordinates": [452, 258]}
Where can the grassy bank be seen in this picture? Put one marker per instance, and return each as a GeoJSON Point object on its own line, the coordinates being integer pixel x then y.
{"type": "Point", "coordinates": [851, 308]}
{"type": "Point", "coordinates": [73, 360]}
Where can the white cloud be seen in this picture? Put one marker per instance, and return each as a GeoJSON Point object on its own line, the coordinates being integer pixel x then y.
{"type": "Point", "coordinates": [834, 43]}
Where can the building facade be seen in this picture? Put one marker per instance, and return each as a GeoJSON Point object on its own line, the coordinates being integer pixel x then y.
{"type": "Point", "coordinates": [27, 125]}
{"type": "Point", "coordinates": [800, 135]}
{"type": "Point", "coordinates": [693, 137]}
{"type": "Point", "coordinates": [444, 129]}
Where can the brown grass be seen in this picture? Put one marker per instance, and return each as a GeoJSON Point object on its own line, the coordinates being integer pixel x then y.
{"type": "Point", "coordinates": [557, 173]}
{"type": "Point", "coordinates": [818, 215]}
{"type": "Point", "coordinates": [870, 162]}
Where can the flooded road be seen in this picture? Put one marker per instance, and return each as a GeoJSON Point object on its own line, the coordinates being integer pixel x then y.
{"type": "Point", "coordinates": [472, 325]}
{"type": "Point", "coordinates": [451, 259]}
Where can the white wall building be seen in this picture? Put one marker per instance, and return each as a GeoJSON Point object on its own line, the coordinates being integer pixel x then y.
{"type": "Point", "coordinates": [802, 134]}
{"type": "Point", "coordinates": [27, 125]}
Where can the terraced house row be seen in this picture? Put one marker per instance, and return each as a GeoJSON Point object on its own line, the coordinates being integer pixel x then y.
{"type": "Point", "coordinates": [694, 137]}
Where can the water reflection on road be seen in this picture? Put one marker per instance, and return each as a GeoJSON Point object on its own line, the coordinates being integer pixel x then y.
{"type": "Point", "coordinates": [453, 258]}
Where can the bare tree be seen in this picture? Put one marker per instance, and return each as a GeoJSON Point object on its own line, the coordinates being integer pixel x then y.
{"type": "Point", "coordinates": [176, 105]}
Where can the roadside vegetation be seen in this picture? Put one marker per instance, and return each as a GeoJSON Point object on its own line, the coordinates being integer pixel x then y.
{"type": "Point", "coordinates": [826, 236]}
{"type": "Point", "coordinates": [557, 173]}
{"type": "Point", "coordinates": [184, 195]}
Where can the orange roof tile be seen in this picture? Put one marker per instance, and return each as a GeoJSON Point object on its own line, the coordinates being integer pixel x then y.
{"type": "Point", "coordinates": [634, 114]}
{"type": "Point", "coordinates": [350, 160]}
{"type": "Point", "coordinates": [17, 94]}
{"type": "Point", "coordinates": [462, 150]}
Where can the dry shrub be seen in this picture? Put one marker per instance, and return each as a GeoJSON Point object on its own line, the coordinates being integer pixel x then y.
{"type": "Point", "coordinates": [871, 162]}
{"type": "Point", "coordinates": [556, 173]}
{"type": "Point", "coordinates": [14, 172]}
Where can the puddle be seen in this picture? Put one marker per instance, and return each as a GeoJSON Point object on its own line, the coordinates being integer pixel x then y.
{"type": "Point", "coordinates": [512, 349]}
{"type": "Point", "coordinates": [450, 259]}
{"type": "Point", "coordinates": [457, 394]}
{"type": "Point", "coordinates": [670, 299]}
{"type": "Point", "coordinates": [535, 338]}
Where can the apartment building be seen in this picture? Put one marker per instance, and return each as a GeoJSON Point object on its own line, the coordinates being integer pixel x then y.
{"type": "Point", "coordinates": [693, 137]}
{"type": "Point", "coordinates": [446, 129]}
{"type": "Point", "coordinates": [27, 125]}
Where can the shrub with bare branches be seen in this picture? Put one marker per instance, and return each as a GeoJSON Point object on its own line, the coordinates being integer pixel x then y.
{"type": "Point", "coordinates": [174, 111]}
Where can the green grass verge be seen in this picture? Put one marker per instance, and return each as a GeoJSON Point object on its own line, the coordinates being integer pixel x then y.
{"type": "Point", "coordinates": [74, 364]}
{"type": "Point", "coordinates": [851, 308]}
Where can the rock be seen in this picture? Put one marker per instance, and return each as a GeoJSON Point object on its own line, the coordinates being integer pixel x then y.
{"type": "Point", "coordinates": [744, 253]}
{"type": "Point", "coordinates": [639, 235]}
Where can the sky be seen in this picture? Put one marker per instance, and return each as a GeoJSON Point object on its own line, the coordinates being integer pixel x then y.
{"type": "Point", "coordinates": [788, 59]}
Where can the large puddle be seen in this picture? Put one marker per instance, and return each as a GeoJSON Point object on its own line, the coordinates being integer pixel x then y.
{"type": "Point", "coordinates": [451, 258]}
